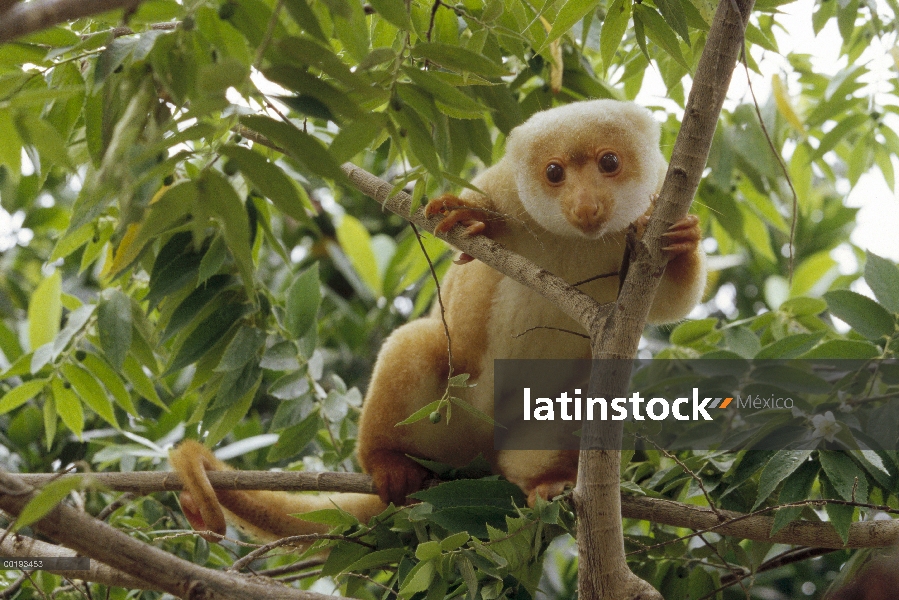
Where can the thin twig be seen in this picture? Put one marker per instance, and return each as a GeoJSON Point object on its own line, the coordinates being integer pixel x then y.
{"type": "Point", "coordinates": [300, 565]}
{"type": "Point", "coordinates": [780, 161]}
{"type": "Point", "coordinates": [449, 341]}
{"type": "Point", "coordinates": [689, 472]}
{"type": "Point", "coordinates": [595, 277]}
{"type": "Point", "coordinates": [789, 557]}
{"type": "Point", "coordinates": [530, 329]}
{"type": "Point", "coordinates": [28, 17]}
{"type": "Point", "coordinates": [735, 570]}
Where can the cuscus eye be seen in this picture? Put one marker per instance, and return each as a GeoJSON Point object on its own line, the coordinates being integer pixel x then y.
{"type": "Point", "coordinates": [609, 163]}
{"type": "Point", "coordinates": [555, 173]}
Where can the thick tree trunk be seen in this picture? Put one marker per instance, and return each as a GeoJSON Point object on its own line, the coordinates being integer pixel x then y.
{"type": "Point", "coordinates": [603, 572]}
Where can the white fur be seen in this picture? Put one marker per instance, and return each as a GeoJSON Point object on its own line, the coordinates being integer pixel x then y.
{"type": "Point", "coordinates": [571, 128]}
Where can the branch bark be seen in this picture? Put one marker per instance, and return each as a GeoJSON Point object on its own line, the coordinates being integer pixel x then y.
{"type": "Point", "coordinates": [603, 570]}
{"type": "Point", "coordinates": [5, 5]}
{"type": "Point", "coordinates": [21, 546]}
{"type": "Point", "coordinates": [97, 540]}
{"type": "Point", "coordinates": [23, 18]}
{"type": "Point", "coordinates": [871, 534]}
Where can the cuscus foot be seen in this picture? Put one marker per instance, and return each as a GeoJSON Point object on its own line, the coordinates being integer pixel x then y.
{"type": "Point", "coordinates": [398, 477]}
{"type": "Point", "coordinates": [682, 237]}
{"type": "Point", "coordinates": [548, 490]}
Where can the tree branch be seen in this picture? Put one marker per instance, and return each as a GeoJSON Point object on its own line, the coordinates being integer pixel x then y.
{"type": "Point", "coordinates": [21, 546]}
{"type": "Point", "coordinates": [870, 534]}
{"type": "Point", "coordinates": [5, 5]}
{"type": "Point", "coordinates": [23, 18]}
{"type": "Point", "coordinates": [95, 539]}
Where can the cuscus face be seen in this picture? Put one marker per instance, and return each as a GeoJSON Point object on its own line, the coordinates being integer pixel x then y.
{"type": "Point", "coordinates": [588, 168]}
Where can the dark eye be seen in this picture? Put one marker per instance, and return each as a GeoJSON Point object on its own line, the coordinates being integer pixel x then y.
{"type": "Point", "coordinates": [609, 162]}
{"type": "Point", "coordinates": [555, 173]}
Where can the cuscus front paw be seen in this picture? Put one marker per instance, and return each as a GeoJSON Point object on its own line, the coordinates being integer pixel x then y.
{"type": "Point", "coordinates": [682, 237]}
{"type": "Point", "coordinates": [455, 210]}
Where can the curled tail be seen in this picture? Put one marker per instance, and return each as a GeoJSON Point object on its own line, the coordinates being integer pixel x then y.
{"type": "Point", "coordinates": [262, 515]}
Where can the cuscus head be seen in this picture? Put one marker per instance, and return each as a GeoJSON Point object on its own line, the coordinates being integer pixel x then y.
{"type": "Point", "coordinates": [587, 168]}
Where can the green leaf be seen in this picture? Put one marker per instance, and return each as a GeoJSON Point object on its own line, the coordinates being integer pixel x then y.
{"type": "Point", "coordinates": [454, 541]}
{"type": "Point", "coordinates": [459, 59]}
{"type": "Point", "coordinates": [175, 266]}
{"type": "Point", "coordinates": [796, 487]}
{"type": "Point", "coordinates": [305, 51]}
{"type": "Point", "coordinates": [861, 313]}
{"type": "Point", "coordinates": [810, 271]}
{"type": "Point", "coordinates": [427, 550]}
{"type": "Point", "coordinates": [270, 181]}
{"type": "Point", "coordinates": [803, 306]}
{"type": "Point", "coordinates": [293, 439]}
{"type": "Point", "coordinates": [393, 11]}
{"type": "Point", "coordinates": [344, 553]}
{"type": "Point", "coordinates": [420, 139]}
{"type": "Point", "coordinates": [613, 28]}
{"type": "Point", "coordinates": [305, 18]}
{"type": "Point", "coordinates": [49, 144]}
{"type": "Point", "coordinates": [659, 32]}
{"type": "Point", "coordinates": [142, 384]}
{"type": "Point", "coordinates": [90, 391]}
{"type": "Point", "coordinates": [11, 148]}
{"type": "Point", "coordinates": [674, 14]}
{"type": "Point", "coordinates": [356, 243]}
{"type": "Point", "coordinates": [111, 379]}
{"type": "Point", "coordinates": [234, 414]}
{"type": "Point", "coordinates": [843, 474]}
{"type": "Point", "coordinates": [47, 498]}
{"type": "Point", "coordinates": [882, 276]}
{"type": "Point", "coordinates": [781, 466]}
{"type": "Point", "coordinates": [45, 311]}
{"type": "Point", "coordinates": [68, 407]}
{"type": "Point", "coordinates": [206, 334]}
{"type": "Point", "coordinates": [840, 515]}
{"type": "Point", "coordinates": [421, 413]}
{"type": "Point", "coordinates": [290, 386]}
{"type": "Point", "coordinates": [844, 349]}
{"type": "Point", "coordinates": [21, 394]}
{"type": "Point", "coordinates": [198, 299]}
{"type": "Point", "coordinates": [246, 345]}
{"type": "Point", "coordinates": [299, 145]}
{"type": "Point", "coordinates": [168, 208]}
{"type": "Point", "coordinates": [418, 579]}
{"type": "Point", "coordinates": [843, 127]}
{"type": "Point", "coordinates": [691, 332]}
{"type": "Point", "coordinates": [449, 99]}
{"type": "Point", "coordinates": [790, 346]}
{"type": "Point", "coordinates": [114, 326]}
{"type": "Point", "coordinates": [356, 136]}
{"type": "Point", "coordinates": [570, 13]}
{"type": "Point", "coordinates": [473, 492]}
{"type": "Point", "coordinates": [216, 192]}
{"type": "Point", "coordinates": [304, 298]}
{"type": "Point", "coordinates": [791, 377]}
{"type": "Point", "coordinates": [376, 559]}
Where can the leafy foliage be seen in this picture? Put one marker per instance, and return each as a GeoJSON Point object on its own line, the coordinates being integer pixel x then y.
{"type": "Point", "coordinates": [167, 275]}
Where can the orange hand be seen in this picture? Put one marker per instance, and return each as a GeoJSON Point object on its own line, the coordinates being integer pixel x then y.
{"type": "Point", "coordinates": [455, 210]}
